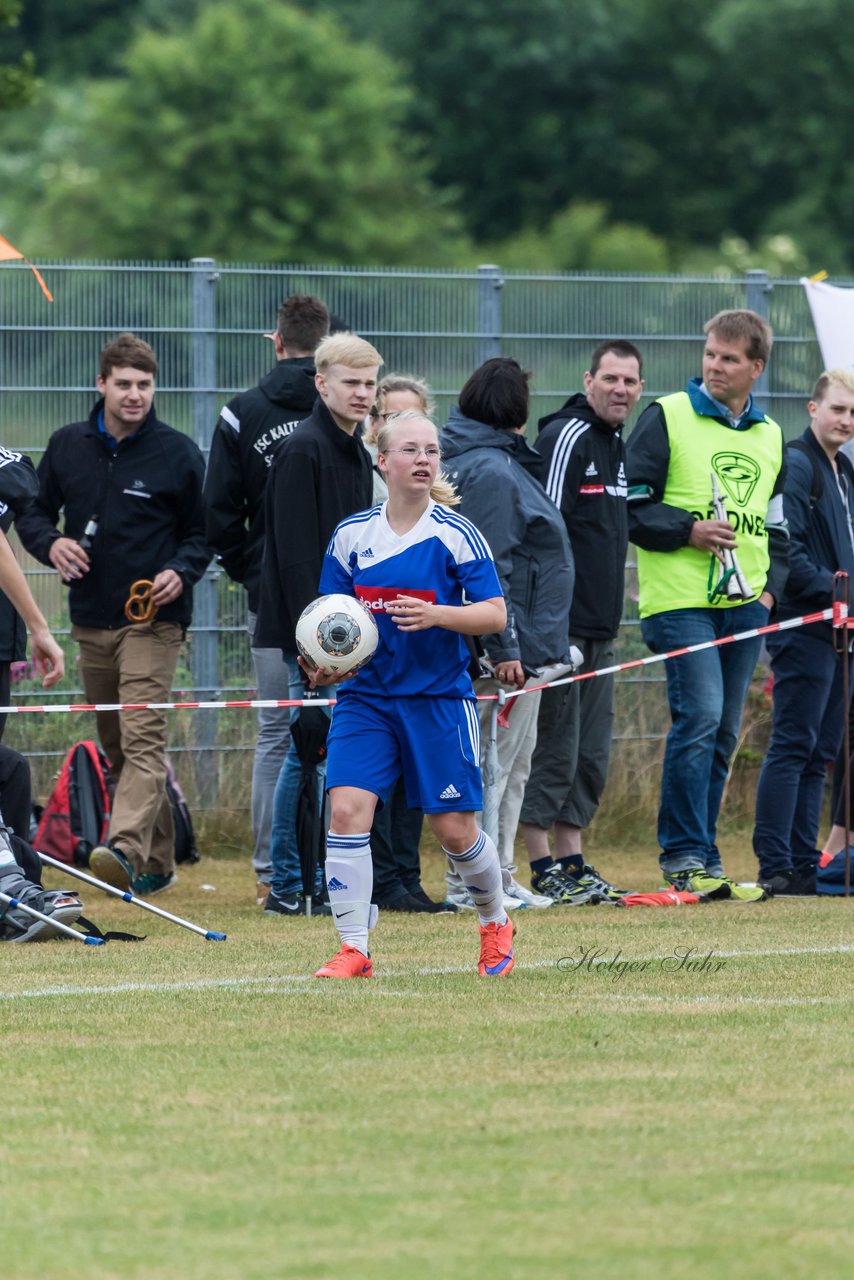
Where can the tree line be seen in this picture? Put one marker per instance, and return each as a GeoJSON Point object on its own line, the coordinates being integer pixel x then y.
{"type": "Point", "coordinates": [636, 135]}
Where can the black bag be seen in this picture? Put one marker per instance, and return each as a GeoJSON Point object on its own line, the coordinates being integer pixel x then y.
{"type": "Point", "coordinates": [185, 838]}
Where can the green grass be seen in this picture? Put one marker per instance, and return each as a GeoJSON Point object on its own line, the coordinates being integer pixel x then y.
{"type": "Point", "coordinates": [179, 1108]}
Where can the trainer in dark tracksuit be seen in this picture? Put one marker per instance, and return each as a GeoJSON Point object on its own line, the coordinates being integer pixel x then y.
{"type": "Point", "coordinates": [584, 470]}
{"type": "Point", "coordinates": [808, 704]}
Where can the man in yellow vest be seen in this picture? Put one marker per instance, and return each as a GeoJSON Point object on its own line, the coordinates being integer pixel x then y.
{"type": "Point", "coordinates": [710, 437]}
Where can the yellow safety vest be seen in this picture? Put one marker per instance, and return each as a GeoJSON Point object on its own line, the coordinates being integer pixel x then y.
{"type": "Point", "coordinates": [747, 464]}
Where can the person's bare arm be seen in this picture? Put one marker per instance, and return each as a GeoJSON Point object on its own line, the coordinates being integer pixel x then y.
{"type": "Point", "coordinates": [46, 653]}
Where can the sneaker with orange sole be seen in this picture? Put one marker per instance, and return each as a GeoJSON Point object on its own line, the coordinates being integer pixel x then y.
{"type": "Point", "coordinates": [496, 949]}
{"type": "Point", "coordinates": [348, 963]}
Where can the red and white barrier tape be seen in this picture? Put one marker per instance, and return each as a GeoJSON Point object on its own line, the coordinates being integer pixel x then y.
{"type": "Point", "coordinates": [245, 704]}
{"type": "Point", "coordinates": [824, 615]}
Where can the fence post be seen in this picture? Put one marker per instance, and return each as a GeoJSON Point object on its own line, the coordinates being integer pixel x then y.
{"type": "Point", "coordinates": [203, 649]}
{"type": "Point", "coordinates": [488, 314]}
{"type": "Point", "coordinates": [757, 288]}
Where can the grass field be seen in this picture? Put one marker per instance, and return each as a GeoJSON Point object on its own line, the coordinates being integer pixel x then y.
{"type": "Point", "coordinates": [184, 1109]}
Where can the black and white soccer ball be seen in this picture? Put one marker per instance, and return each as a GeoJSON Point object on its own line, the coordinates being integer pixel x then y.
{"type": "Point", "coordinates": [336, 632]}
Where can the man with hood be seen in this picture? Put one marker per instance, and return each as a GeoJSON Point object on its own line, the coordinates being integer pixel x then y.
{"type": "Point", "coordinates": [249, 431]}
{"type": "Point", "coordinates": [585, 476]}
{"type": "Point", "coordinates": [496, 473]}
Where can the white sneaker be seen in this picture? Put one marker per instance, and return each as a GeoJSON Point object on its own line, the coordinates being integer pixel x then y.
{"type": "Point", "coordinates": [461, 899]}
{"type": "Point", "coordinates": [526, 897]}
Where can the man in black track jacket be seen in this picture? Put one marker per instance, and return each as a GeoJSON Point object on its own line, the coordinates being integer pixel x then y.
{"type": "Point", "coordinates": [249, 431]}
{"type": "Point", "coordinates": [131, 491]}
{"type": "Point", "coordinates": [584, 475]}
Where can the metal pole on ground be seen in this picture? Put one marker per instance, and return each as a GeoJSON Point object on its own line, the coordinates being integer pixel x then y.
{"type": "Point", "coordinates": [211, 934]}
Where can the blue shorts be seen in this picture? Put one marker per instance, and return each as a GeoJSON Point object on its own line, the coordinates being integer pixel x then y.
{"type": "Point", "coordinates": [433, 742]}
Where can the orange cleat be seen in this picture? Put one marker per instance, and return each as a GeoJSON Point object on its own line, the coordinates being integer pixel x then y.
{"type": "Point", "coordinates": [349, 963]}
{"type": "Point", "coordinates": [496, 949]}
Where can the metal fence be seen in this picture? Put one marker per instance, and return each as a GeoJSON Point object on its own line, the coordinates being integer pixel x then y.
{"type": "Point", "coordinates": [206, 320]}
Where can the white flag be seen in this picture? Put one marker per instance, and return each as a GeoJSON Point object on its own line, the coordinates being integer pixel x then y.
{"type": "Point", "coordinates": [833, 316]}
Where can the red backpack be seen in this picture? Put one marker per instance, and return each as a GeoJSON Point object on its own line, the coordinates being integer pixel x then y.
{"type": "Point", "coordinates": [77, 815]}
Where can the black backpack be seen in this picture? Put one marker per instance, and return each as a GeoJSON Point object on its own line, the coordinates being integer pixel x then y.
{"type": "Point", "coordinates": [77, 815]}
{"type": "Point", "coordinates": [185, 838]}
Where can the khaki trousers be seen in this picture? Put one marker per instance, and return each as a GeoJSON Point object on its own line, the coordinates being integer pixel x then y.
{"type": "Point", "coordinates": [135, 664]}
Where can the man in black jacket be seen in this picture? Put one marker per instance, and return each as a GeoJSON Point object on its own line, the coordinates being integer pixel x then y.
{"type": "Point", "coordinates": [585, 477]}
{"type": "Point", "coordinates": [321, 474]}
{"type": "Point", "coordinates": [249, 431]}
{"type": "Point", "coordinates": [131, 490]}
{"type": "Point", "coordinates": [808, 709]}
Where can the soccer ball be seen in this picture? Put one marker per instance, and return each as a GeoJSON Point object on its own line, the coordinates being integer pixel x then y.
{"type": "Point", "coordinates": [336, 632]}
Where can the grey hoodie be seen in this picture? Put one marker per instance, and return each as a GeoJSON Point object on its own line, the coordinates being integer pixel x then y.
{"type": "Point", "coordinates": [497, 476]}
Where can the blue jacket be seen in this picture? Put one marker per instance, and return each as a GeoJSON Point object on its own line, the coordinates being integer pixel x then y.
{"type": "Point", "coordinates": [820, 536]}
{"type": "Point", "coordinates": [496, 475]}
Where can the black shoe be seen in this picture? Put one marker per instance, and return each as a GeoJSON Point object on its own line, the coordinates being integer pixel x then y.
{"type": "Point", "coordinates": [406, 902]}
{"type": "Point", "coordinates": [286, 904]}
{"type": "Point", "coordinates": [320, 906]}
{"type": "Point", "coordinates": [790, 884]}
{"type": "Point", "coordinates": [436, 908]}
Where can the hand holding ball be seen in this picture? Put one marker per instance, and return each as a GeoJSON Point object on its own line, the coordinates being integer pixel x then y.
{"type": "Point", "coordinates": [337, 633]}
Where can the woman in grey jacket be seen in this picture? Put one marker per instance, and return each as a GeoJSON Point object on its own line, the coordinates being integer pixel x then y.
{"type": "Point", "coordinates": [496, 473]}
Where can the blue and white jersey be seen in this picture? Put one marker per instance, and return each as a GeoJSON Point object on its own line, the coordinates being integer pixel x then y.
{"type": "Point", "coordinates": [443, 556]}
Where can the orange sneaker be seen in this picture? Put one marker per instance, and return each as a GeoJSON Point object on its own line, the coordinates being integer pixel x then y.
{"type": "Point", "coordinates": [349, 963]}
{"type": "Point", "coordinates": [496, 949]}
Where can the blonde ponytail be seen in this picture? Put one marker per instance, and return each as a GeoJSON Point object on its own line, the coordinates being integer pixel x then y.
{"type": "Point", "coordinates": [444, 492]}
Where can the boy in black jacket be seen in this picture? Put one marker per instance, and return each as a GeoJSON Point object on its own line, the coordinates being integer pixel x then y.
{"type": "Point", "coordinates": [321, 474]}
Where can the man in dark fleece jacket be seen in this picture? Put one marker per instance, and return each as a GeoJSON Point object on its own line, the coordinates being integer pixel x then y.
{"type": "Point", "coordinates": [321, 474]}
{"type": "Point", "coordinates": [584, 473]}
{"type": "Point", "coordinates": [249, 431]}
{"type": "Point", "coordinates": [130, 488]}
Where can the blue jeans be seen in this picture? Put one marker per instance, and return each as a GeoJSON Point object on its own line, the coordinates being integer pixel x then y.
{"type": "Point", "coordinates": [286, 877]}
{"type": "Point", "coordinates": [807, 729]}
{"type": "Point", "coordinates": [706, 692]}
{"type": "Point", "coordinates": [272, 680]}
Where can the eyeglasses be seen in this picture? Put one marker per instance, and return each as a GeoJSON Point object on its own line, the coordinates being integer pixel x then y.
{"type": "Point", "coordinates": [432, 452]}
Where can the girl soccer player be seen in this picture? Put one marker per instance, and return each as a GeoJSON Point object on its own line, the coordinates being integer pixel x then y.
{"type": "Point", "coordinates": [412, 708]}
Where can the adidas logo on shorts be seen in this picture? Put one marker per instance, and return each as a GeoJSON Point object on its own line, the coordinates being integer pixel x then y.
{"type": "Point", "coordinates": [591, 470]}
{"type": "Point", "coordinates": [450, 793]}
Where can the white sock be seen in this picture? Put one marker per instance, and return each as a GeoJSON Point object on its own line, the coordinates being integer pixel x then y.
{"type": "Point", "coordinates": [480, 871]}
{"type": "Point", "coordinates": [350, 882]}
